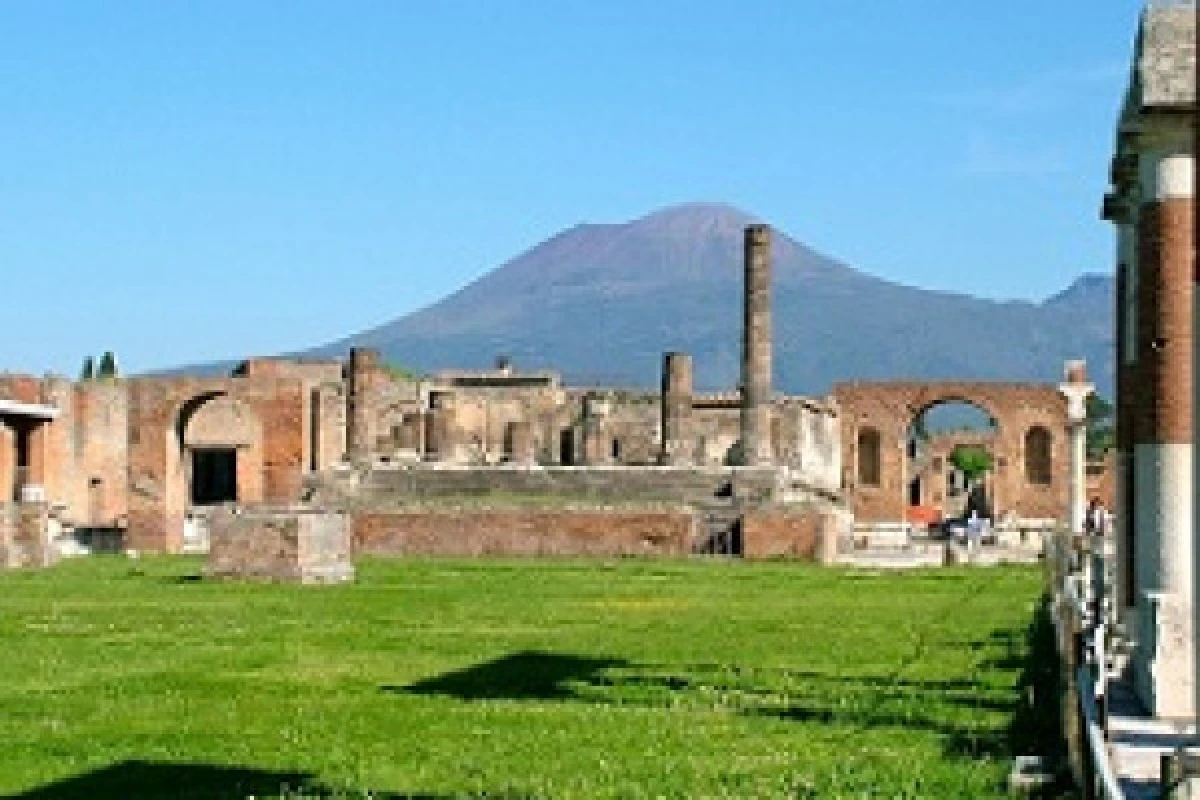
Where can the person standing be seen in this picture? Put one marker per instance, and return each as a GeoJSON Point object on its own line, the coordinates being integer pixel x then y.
{"type": "Point", "coordinates": [1095, 523]}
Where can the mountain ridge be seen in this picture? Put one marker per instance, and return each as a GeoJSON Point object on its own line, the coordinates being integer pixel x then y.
{"type": "Point", "coordinates": [601, 301]}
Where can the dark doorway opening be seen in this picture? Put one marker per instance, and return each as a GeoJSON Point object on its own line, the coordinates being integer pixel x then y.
{"type": "Point", "coordinates": [914, 492]}
{"type": "Point", "coordinates": [214, 476]}
{"type": "Point", "coordinates": [566, 448]}
{"type": "Point", "coordinates": [22, 429]}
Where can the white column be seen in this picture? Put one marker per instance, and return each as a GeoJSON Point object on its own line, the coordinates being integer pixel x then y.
{"type": "Point", "coordinates": [1076, 390]}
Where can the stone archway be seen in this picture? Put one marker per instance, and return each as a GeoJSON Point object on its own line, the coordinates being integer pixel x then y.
{"type": "Point", "coordinates": [935, 486]}
{"type": "Point", "coordinates": [889, 408]}
{"type": "Point", "coordinates": [220, 450]}
{"type": "Point", "coordinates": [262, 419]}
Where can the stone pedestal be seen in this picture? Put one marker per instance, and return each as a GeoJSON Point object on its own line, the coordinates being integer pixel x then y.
{"type": "Point", "coordinates": [298, 545]}
{"type": "Point", "coordinates": [26, 537]}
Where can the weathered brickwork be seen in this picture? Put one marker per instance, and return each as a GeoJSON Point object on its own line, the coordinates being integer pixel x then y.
{"type": "Point", "coordinates": [601, 532]}
{"type": "Point", "coordinates": [782, 534]}
{"type": "Point", "coordinates": [1152, 205]}
{"type": "Point", "coordinates": [890, 410]}
{"type": "Point", "coordinates": [1165, 323]}
{"type": "Point", "coordinates": [268, 425]}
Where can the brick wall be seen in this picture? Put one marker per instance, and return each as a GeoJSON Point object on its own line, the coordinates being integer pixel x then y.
{"type": "Point", "coordinates": [890, 409]}
{"type": "Point", "coordinates": [782, 533]}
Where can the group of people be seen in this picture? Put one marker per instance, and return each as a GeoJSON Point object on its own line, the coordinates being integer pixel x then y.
{"type": "Point", "coordinates": [1097, 522]}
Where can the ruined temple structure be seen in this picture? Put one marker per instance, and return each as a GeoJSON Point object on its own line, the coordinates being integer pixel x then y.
{"type": "Point", "coordinates": [1152, 206]}
{"type": "Point", "coordinates": [498, 460]}
{"type": "Point", "coordinates": [154, 457]}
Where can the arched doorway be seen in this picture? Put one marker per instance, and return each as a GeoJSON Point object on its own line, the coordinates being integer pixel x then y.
{"type": "Point", "coordinates": [219, 445]}
{"type": "Point", "coordinates": [950, 458]}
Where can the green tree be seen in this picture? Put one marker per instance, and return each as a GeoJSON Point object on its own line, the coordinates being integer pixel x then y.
{"type": "Point", "coordinates": [108, 366]}
{"type": "Point", "coordinates": [88, 372]}
{"type": "Point", "coordinates": [1101, 435]}
{"type": "Point", "coordinates": [972, 461]}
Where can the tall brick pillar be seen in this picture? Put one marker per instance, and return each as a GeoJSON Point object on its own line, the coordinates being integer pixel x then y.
{"type": "Point", "coordinates": [676, 401]}
{"type": "Point", "coordinates": [363, 365]}
{"type": "Point", "coordinates": [1163, 447]}
{"type": "Point", "coordinates": [756, 348]}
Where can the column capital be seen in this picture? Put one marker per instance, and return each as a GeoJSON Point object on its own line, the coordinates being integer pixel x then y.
{"type": "Point", "coordinates": [1076, 395]}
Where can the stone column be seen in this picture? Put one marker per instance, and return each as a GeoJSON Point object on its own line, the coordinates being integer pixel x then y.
{"type": "Point", "coordinates": [8, 464]}
{"type": "Point", "coordinates": [595, 444]}
{"type": "Point", "coordinates": [1125, 592]}
{"type": "Point", "coordinates": [676, 410]}
{"type": "Point", "coordinates": [363, 364]}
{"type": "Point", "coordinates": [756, 348]}
{"type": "Point", "coordinates": [522, 450]}
{"type": "Point", "coordinates": [1076, 389]}
{"type": "Point", "coordinates": [441, 444]}
{"type": "Point", "coordinates": [1120, 208]}
{"type": "Point", "coordinates": [1163, 449]}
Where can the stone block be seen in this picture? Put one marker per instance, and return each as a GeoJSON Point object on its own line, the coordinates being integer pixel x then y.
{"type": "Point", "coordinates": [298, 545]}
{"type": "Point", "coordinates": [26, 536]}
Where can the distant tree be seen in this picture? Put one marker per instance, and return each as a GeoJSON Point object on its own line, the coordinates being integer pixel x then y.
{"type": "Point", "coordinates": [402, 373]}
{"type": "Point", "coordinates": [1101, 435]}
{"type": "Point", "coordinates": [971, 461]}
{"type": "Point", "coordinates": [108, 366]}
{"type": "Point", "coordinates": [88, 372]}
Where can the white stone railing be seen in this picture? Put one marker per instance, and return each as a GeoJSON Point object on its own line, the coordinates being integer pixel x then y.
{"type": "Point", "coordinates": [1081, 589]}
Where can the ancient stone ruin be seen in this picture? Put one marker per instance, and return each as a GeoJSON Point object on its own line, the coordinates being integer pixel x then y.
{"type": "Point", "coordinates": [491, 461]}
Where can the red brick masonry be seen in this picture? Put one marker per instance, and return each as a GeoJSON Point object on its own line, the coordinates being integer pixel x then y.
{"type": "Point", "coordinates": [524, 532]}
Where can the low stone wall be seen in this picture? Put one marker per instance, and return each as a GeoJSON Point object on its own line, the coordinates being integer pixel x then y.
{"type": "Point", "coordinates": [525, 532]}
{"type": "Point", "coordinates": [806, 534]}
{"type": "Point", "coordinates": [280, 544]}
{"type": "Point", "coordinates": [582, 485]}
{"type": "Point", "coordinates": [26, 537]}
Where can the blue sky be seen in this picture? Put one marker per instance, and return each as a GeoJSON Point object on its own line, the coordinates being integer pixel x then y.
{"type": "Point", "coordinates": [191, 181]}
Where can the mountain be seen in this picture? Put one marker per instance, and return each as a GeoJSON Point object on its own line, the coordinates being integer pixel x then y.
{"type": "Point", "coordinates": [602, 303]}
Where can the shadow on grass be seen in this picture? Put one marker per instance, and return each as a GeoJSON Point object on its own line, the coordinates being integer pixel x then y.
{"type": "Point", "coordinates": [893, 701]}
{"type": "Point", "coordinates": [528, 675]}
{"type": "Point", "coordinates": [1035, 728]}
{"type": "Point", "coordinates": [159, 781]}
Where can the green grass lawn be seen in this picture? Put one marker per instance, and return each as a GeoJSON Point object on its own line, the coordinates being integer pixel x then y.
{"type": "Point", "coordinates": [516, 679]}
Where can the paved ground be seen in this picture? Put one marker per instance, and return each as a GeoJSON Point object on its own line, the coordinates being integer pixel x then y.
{"type": "Point", "coordinates": [1137, 742]}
